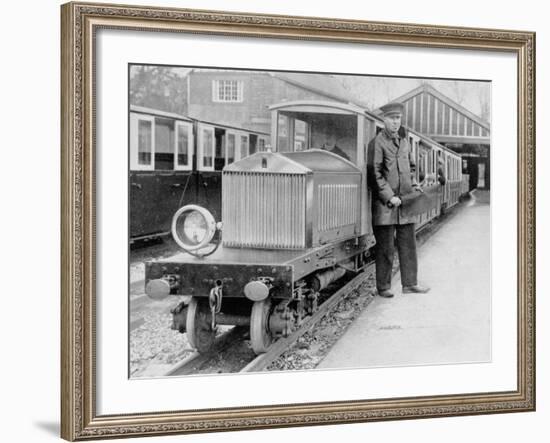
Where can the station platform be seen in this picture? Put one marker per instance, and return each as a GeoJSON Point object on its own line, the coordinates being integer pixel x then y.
{"type": "Point", "coordinates": [449, 324]}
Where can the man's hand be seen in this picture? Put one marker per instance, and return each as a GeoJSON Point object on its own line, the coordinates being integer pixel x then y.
{"type": "Point", "coordinates": [395, 201]}
{"type": "Point", "coordinates": [418, 189]}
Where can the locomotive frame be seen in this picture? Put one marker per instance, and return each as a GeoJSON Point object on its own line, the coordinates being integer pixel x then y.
{"type": "Point", "coordinates": [79, 391]}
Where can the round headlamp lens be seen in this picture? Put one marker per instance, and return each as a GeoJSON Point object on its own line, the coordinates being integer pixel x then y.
{"type": "Point", "coordinates": [194, 227]}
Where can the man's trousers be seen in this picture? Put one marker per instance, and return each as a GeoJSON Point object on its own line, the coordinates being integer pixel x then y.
{"type": "Point", "coordinates": [386, 236]}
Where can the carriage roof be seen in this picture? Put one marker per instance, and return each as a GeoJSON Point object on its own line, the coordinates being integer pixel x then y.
{"type": "Point", "coordinates": [175, 116]}
{"type": "Point", "coordinates": [159, 113]}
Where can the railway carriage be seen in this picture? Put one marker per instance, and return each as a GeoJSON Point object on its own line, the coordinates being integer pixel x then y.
{"type": "Point", "coordinates": [176, 160]}
{"type": "Point", "coordinates": [293, 221]}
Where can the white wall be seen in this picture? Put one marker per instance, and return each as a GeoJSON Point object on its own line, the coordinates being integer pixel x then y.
{"type": "Point", "coordinates": [29, 183]}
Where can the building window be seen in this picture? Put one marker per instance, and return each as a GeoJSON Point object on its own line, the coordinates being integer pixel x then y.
{"type": "Point", "coordinates": [227, 91]}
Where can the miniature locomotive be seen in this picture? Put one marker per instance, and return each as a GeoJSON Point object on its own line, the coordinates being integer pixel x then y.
{"type": "Point", "coordinates": [293, 221]}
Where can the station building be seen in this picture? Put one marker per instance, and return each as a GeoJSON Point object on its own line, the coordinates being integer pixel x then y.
{"type": "Point", "coordinates": [442, 119]}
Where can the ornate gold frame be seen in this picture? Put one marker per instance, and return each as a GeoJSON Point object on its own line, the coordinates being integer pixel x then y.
{"type": "Point", "coordinates": [79, 23]}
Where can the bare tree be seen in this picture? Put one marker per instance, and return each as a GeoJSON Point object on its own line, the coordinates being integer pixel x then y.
{"type": "Point", "coordinates": [158, 87]}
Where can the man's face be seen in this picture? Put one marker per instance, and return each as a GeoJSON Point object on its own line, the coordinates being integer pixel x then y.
{"type": "Point", "coordinates": [392, 122]}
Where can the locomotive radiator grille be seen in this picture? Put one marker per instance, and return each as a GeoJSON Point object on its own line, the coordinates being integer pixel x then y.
{"type": "Point", "coordinates": [338, 206]}
{"type": "Point", "coordinates": [261, 210]}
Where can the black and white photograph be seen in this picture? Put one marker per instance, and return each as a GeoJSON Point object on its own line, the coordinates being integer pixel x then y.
{"type": "Point", "coordinates": [306, 221]}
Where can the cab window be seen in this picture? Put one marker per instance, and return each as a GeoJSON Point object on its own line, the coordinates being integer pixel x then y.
{"type": "Point", "coordinates": [283, 134]}
{"type": "Point", "coordinates": [300, 135]}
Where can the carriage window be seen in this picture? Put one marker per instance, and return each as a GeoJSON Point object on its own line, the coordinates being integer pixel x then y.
{"type": "Point", "coordinates": [244, 145]}
{"type": "Point", "coordinates": [227, 91]}
{"type": "Point", "coordinates": [422, 167]}
{"type": "Point", "coordinates": [252, 144]}
{"type": "Point", "coordinates": [219, 149]}
{"type": "Point", "coordinates": [207, 146]}
{"type": "Point", "coordinates": [145, 142]}
{"type": "Point", "coordinates": [230, 147]}
{"type": "Point", "coordinates": [142, 142]}
{"type": "Point", "coordinates": [164, 146]}
{"type": "Point", "coordinates": [261, 144]}
{"type": "Point", "coordinates": [184, 145]}
{"type": "Point", "coordinates": [414, 147]}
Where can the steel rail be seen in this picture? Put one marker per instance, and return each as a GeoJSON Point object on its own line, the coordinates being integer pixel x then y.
{"type": "Point", "coordinates": [196, 359]}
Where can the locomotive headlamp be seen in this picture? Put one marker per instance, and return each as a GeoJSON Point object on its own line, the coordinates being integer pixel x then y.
{"type": "Point", "coordinates": [193, 227]}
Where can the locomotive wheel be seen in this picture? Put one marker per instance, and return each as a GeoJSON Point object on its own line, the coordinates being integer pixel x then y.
{"type": "Point", "coordinates": [199, 330]}
{"type": "Point", "coordinates": [260, 335]}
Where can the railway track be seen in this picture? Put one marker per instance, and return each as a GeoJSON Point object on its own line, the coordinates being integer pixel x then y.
{"type": "Point", "coordinates": [231, 352]}
{"type": "Point", "coordinates": [196, 362]}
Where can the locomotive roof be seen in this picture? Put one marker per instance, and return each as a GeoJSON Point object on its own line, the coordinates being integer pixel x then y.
{"type": "Point", "coordinates": [318, 106]}
{"type": "Point", "coordinates": [301, 162]}
{"type": "Point", "coordinates": [328, 107]}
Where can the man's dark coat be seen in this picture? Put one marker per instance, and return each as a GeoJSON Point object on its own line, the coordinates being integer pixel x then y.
{"type": "Point", "coordinates": [391, 172]}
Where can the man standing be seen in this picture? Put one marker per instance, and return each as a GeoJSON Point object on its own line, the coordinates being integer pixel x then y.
{"type": "Point", "coordinates": [391, 169]}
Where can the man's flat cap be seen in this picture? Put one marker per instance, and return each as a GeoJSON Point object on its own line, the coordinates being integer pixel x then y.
{"type": "Point", "coordinates": [392, 108]}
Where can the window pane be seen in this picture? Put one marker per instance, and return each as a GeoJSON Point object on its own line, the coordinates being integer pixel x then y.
{"type": "Point", "coordinates": [207, 145]}
{"type": "Point", "coordinates": [230, 148]}
{"type": "Point", "coordinates": [283, 134]}
{"type": "Point", "coordinates": [164, 146]}
{"type": "Point", "coordinates": [244, 146]}
{"type": "Point", "coordinates": [300, 135]}
{"type": "Point", "coordinates": [227, 90]}
{"type": "Point", "coordinates": [145, 136]}
{"type": "Point", "coordinates": [183, 145]}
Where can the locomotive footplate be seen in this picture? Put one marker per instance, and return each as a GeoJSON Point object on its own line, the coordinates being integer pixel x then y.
{"type": "Point", "coordinates": [276, 270]}
{"type": "Point", "coordinates": [197, 279]}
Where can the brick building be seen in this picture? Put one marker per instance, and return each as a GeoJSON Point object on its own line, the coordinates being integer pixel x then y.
{"type": "Point", "coordinates": [241, 98]}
